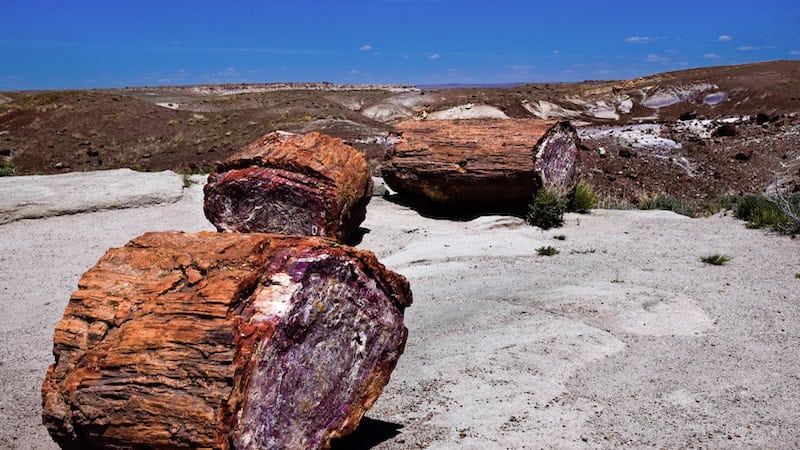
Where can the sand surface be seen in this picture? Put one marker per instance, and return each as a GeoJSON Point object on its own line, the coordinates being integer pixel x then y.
{"type": "Point", "coordinates": [624, 339]}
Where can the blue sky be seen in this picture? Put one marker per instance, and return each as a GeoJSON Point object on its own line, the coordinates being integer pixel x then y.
{"type": "Point", "coordinates": [86, 44]}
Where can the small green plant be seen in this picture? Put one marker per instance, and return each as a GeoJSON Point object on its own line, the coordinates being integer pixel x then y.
{"type": "Point", "coordinates": [6, 171]}
{"type": "Point", "coordinates": [716, 259]}
{"type": "Point", "coordinates": [559, 237]}
{"type": "Point", "coordinates": [547, 251]}
{"type": "Point", "coordinates": [778, 212]}
{"type": "Point", "coordinates": [547, 209]}
{"type": "Point", "coordinates": [187, 180]}
{"type": "Point", "coordinates": [582, 198]}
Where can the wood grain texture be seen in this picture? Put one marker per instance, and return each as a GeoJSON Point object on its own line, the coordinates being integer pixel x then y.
{"type": "Point", "coordinates": [172, 340]}
{"type": "Point", "coordinates": [480, 162]}
{"type": "Point", "coordinates": [312, 184]}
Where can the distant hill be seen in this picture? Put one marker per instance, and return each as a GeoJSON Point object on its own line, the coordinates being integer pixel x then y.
{"type": "Point", "coordinates": [189, 128]}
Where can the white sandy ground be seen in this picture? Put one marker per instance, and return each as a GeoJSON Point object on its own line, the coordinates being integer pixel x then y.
{"type": "Point", "coordinates": [624, 339]}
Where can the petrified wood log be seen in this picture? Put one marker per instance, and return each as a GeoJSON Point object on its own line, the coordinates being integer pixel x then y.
{"type": "Point", "coordinates": [223, 340]}
{"type": "Point", "coordinates": [481, 163]}
{"type": "Point", "coordinates": [311, 185]}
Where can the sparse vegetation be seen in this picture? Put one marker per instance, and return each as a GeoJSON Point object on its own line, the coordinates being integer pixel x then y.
{"type": "Point", "coordinates": [559, 237]}
{"type": "Point", "coordinates": [582, 198]}
{"type": "Point", "coordinates": [617, 279]}
{"type": "Point", "coordinates": [586, 251]}
{"type": "Point", "coordinates": [547, 209]}
{"type": "Point", "coordinates": [6, 171]}
{"type": "Point", "coordinates": [797, 275]}
{"type": "Point", "coordinates": [187, 180]}
{"type": "Point", "coordinates": [665, 202]}
{"type": "Point", "coordinates": [609, 202]}
{"type": "Point", "coordinates": [778, 212]}
{"type": "Point", "coordinates": [716, 259]}
{"type": "Point", "coordinates": [547, 251]}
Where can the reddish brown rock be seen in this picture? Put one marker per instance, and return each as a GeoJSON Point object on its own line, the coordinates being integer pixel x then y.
{"type": "Point", "coordinates": [223, 340]}
{"type": "Point", "coordinates": [744, 154]}
{"type": "Point", "coordinates": [312, 185]}
{"type": "Point", "coordinates": [481, 163]}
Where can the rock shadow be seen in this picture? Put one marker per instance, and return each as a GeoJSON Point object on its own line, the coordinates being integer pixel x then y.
{"type": "Point", "coordinates": [370, 432]}
{"type": "Point", "coordinates": [463, 213]}
{"type": "Point", "coordinates": [356, 237]}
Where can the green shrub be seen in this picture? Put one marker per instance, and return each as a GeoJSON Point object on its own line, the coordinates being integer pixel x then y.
{"type": "Point", "coordinates": [716, 259]}
{"type": "Point", "coordinates": [547, 251]}
{"type": "Point", "coordinates": [582, 199]}
{"type": "Point", "coordinates": [187, 180]}
{"type": "Point", "coordinates": [6, 171]}
{"type": "Point", "coordinates": [759, 211]}
{"type": "Point", "coordinates": [749, 205]}
{"type": "Point", "coordinates": [547, 209]}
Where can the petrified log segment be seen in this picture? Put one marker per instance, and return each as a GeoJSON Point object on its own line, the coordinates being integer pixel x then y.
{"type": "Point", "coordinates": [312, 185]}
{"type": "Point", "coordinates": [223, 340]}
{"type": "Point", "coordinates": [481, 163]}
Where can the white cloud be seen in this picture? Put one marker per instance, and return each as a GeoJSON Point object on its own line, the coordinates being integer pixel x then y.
{"type": "Point", "coordinates": [747, 48]}
{"type": "Point", "coordinates": [556, 52]}
{"type": "Point", "coordinates": [794, 52]}
{"type": "Point", "coordinates": [654, 58]}
{"type": "Point", "coordinates": [353, 71]}
{"type": "Point", "coordinates": [365, 48]}
{"type": "Point", "coordinates": [603, 71]}
{"type": "Point", "coordinates": [639, 39]}
{"type": "Point", "coordinates": [434, 56]}
{"type": "Point", "coordinates": [711, 56]}
{"type": "Point", "coordinates": [725, 38]}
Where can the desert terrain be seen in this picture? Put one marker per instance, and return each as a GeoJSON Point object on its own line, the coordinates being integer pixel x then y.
{"type": "Point", "coordinates": [622, 339]}
{"type": "Point", "coordinates": [633, 139]}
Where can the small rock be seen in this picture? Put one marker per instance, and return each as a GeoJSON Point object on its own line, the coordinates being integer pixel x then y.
{"type": "Point", "coordinates": [61, 166]}
{"type": "Point", "coordinates": [601, 151]}
{"type": "Point", "coordinates": [727, 129]}
{"type": "Point", "coordinates": [146, 155]}
{"type": "Point", "coordinates": [379, 188]}
{"type": "Point", "coordinates": [92, 153]}
{"type": "Point", "coordinates": [688, 115]}
{"type": "Point", "coordinates": [626, 153]}
{"type": "Point", "coordinates": [5, 152]}
{"type": "Point", "coordinates": [762, 118]}
{"type": "Point", "coordinates": [744, 154]}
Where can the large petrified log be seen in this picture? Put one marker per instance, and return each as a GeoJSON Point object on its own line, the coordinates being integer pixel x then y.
{"type": "Point", "coordinates": [223, 340]}
{"type": "Point", "coordinates": [311, 185]}
{"type": "Point", "coordinates": [481, 163]}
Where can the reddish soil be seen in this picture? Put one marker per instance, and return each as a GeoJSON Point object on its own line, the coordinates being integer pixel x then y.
{"type": "Point", "coordinates": [51, 132]}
